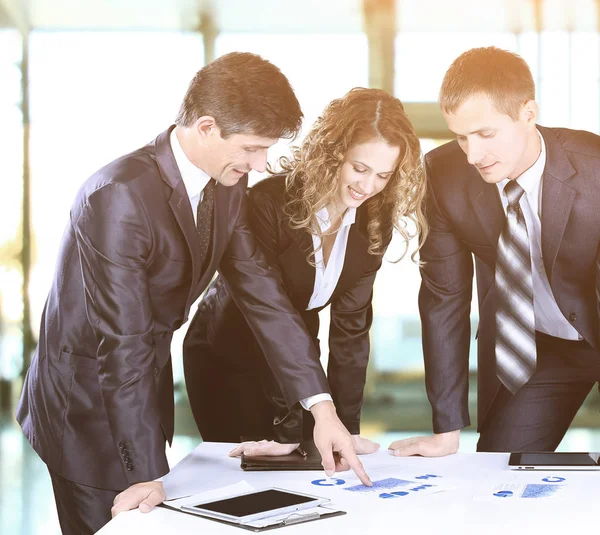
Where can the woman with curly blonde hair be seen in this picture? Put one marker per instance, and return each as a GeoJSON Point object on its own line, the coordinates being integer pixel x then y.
{"type": "Point", "coordinates": [324, 222]}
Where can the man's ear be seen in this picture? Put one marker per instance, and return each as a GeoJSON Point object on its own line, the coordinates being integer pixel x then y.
{"type": "Point", "coordinates": [529, 112]}
{"type": "Point", "coordinates": [206, 126]}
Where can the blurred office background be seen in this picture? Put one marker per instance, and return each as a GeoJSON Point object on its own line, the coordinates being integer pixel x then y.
{"type": "Point", "coordinates": [85, 81]}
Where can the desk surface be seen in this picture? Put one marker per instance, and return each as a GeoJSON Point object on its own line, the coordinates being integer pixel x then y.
{"type": "Point", "coordinates": [449, 512]}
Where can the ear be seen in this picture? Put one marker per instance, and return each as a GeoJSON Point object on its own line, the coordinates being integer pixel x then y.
{"type": "Point", "coordinates": [529, 112]}
{"type": "Point", "coordinates": [206, 126]}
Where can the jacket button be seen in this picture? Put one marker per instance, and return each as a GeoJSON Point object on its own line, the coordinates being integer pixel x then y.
{"type": "Point", "coordinates": [129, 467]}
{"type": "Point", "coordinates": [572, 317]}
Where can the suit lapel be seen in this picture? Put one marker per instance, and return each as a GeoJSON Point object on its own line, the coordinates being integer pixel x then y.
{"type": "Point", "coordinates": [486, 202]}
{"type": "Point", "coordinates": [294, 262]}
{"type": "Point", "coordinates": [358, 245]}
{"type": "Point", "coordinates": [179, 200]}
{"type": "Point", "coordinates": [557, 198]}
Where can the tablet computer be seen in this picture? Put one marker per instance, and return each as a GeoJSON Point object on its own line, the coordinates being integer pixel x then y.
{"type": "Point", "coordinates": [255, 505]}
{"type": "Point", "coordinates": [554, 461]}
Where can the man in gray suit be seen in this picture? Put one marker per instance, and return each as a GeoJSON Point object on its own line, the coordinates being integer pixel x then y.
{"type": "Point", "coordinates": [146, 234]}
{"type": "Point", "coordinates": [525, 202]}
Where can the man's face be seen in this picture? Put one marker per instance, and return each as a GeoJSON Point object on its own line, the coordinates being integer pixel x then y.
{"type": "Point", "coordinates": [227, 160]}
{"type": "Point", "coordinates": [497, 145]}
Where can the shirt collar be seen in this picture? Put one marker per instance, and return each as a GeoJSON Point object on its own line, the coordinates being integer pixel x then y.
{"type": "Point", "coordinates": [194, 179]}
{"type": "Point", "coordinates": [530, 179]}
{"type": "Point", "coordinates": [348, 218]}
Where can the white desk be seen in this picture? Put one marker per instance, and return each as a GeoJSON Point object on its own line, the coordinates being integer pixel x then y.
{"type": "Point", "coordinates": [451, 512]}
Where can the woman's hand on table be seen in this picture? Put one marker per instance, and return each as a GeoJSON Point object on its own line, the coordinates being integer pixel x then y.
{"type": "Point", "coordinates": [363, 446]}
{"type": "Point", "coordinates": [262, 447]}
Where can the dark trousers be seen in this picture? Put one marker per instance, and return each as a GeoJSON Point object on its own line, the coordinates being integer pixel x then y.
{"type": "Point", "coordinates": [233, 394]}
{"type": "Point", "coordinates": [224, 390]}
{"type": "Point", "coordinates": [81, 509]}
{"type": "Point", "coordinates": [537, 417]}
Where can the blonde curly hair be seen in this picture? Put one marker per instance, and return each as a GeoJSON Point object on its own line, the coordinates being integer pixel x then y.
{"type": "Point", "coordinates": [362, 115]}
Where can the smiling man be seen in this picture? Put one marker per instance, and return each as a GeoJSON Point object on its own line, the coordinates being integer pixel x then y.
{"type": "Point", "coordinates": [146, 234]}
{"type": "Point", "coordinates": [524, 201]}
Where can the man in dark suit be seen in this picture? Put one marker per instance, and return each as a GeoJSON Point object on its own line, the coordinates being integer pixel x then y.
{"type": "Point", "coordinates": [145, 237]}
{"type": "Point", "coordinates": [525, 201]}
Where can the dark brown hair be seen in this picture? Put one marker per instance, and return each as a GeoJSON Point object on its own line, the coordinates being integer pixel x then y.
{"type": "Point", "coordinates": [244, 93]}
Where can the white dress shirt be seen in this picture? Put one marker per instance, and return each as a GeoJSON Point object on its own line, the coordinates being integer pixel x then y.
{"type": "Point", "coordinates": [195, 180]}
{"type": "Point", "coordinates": [548, 317]}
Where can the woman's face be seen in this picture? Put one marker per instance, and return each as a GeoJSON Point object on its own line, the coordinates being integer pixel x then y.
{"type": "Point", "coordinates": [365, 172]}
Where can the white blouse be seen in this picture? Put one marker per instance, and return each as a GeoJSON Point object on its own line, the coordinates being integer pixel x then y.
{"type": "Point", "coordinates": [326, 277]}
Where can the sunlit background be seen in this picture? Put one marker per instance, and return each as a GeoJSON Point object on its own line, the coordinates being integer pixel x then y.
{"type": "Point", "coordinates": [85, 81]}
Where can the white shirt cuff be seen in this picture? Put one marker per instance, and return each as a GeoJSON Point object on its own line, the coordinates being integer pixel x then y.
{"type": "Point", "coordinates": [308, 402]}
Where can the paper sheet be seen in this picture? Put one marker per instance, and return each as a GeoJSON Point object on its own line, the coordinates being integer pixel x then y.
{"type": "Point", "coordinates": [522, 491]}
{"type": "Point", "coordinates": [388, 484]}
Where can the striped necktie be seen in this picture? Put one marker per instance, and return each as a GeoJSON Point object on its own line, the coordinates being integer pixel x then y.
{"type": "Point", "coordinates": [515, 320]}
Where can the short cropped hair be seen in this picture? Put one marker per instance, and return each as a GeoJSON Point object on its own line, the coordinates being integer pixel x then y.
{"type": "Point", "coordinates": [501, 75]}
{"type": "Point", "coordinates": [244, 93]}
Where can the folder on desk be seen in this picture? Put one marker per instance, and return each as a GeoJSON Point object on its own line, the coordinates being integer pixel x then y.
{"type": "Point", "coordinates": [266, 524]}
{"type": "Point", "coordinates": [306, 457]}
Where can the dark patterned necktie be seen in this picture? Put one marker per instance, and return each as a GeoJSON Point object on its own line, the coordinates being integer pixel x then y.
{"type": "Point", "coordinates": [515, 320]}
{"type": "Point", "coordinates": [204, 221]}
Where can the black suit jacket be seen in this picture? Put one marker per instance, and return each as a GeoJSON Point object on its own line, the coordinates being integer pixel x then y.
{"type": "Point", "coordinates": [466, 218]}
{"type": "Point", "coordinates": [219, 325]}
{"type": "Point", "coordinates": [97, 404]}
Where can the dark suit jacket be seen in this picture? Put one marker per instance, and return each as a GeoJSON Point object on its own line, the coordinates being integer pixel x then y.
{"type": "Point", "coordinates": [219, 325]}
{"type": "Point", "coordinates": [466, 218]}
{"type": "Point", "coordinates": [97, 404]}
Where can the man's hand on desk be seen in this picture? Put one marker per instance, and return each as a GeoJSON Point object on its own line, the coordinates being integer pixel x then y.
{"type": "Point", "coordinates": [334, 443]}
{"type": "Point", "coordinates": [262, 447]}
{"type": "Point", "coordinates": [143, 495]}
{"type": "Point", "coordinates": [436, 445]}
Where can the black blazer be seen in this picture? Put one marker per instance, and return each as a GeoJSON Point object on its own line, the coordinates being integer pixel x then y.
{"type": "Point", "coordinates": [97, 403]}
{"type": "Point", "coordinates": [466, 218]}
{"type": "Point", "coordinates": [220, 326]}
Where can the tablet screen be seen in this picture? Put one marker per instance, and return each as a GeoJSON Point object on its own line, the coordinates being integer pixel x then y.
{"type": "Point", "coordinates": [257, 502]}
{"type": "Point", "coordinates": [561, 458]}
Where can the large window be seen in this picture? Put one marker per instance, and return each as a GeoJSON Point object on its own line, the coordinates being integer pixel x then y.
{"type": "Point", "coordinates": [94, 96]}
{"type": "Point", "coordinates": [11, 141]}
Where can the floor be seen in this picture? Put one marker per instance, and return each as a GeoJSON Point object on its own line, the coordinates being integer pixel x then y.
{"type": "Point", "coordinates": [26, 501]}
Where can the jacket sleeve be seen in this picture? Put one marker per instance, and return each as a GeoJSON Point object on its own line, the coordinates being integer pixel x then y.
{"type": "Point", "coordinates": [444, 306]}
{"type": "Point", "coordinates": [259, 292]}
{"type": "Point", "coordinates": [113, 240]}
{"type": "Point", "coordinates": [264, 219]}
{"type": "Point", "coordinates": [598, 292]}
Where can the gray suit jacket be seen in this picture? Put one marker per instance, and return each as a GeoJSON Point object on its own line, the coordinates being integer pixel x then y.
{"type": "Point", "coordinates": [466, 218]}
{"type": "Point", "coordinates": [97, 404]}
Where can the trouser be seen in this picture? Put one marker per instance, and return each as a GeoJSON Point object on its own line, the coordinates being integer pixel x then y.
{"type": "Point", "coordinates": [81, 509]}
